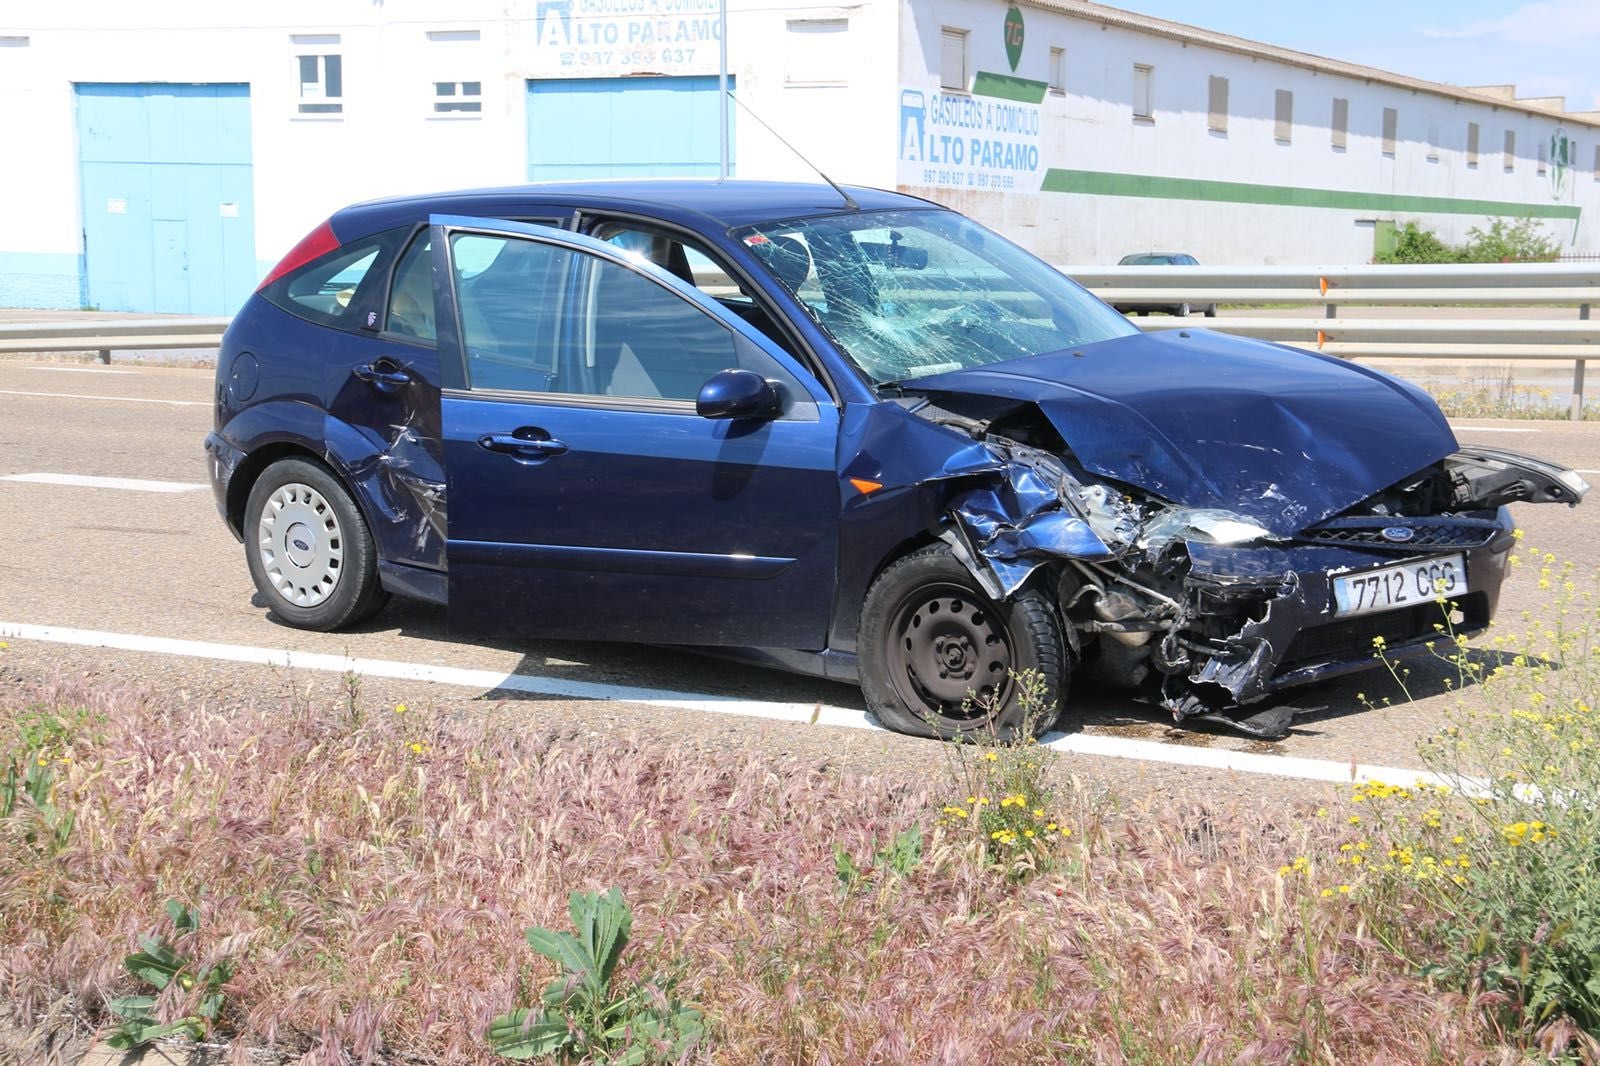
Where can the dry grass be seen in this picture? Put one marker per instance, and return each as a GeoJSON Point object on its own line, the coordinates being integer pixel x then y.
{"type": "Point", "coordinates": [373, 876]}
{"type": "Point", "coordinates": [1496, 393]}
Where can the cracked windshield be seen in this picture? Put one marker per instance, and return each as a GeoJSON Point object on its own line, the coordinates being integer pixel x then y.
{"type": "Point", "coordinates": [907, 294]}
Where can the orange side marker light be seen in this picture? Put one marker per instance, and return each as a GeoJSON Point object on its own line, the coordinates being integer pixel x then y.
{"type": "Point", "coordinates": [865, 487]}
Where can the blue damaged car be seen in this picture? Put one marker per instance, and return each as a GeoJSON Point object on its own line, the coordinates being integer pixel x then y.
{"type": "Point", "coordinates": [838, 431]}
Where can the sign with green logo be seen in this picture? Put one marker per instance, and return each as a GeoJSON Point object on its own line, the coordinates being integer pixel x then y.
{"type": "Point", "coordinates": [1013, 36]}
{"type": "Point", "coordinates": [1563, 156]}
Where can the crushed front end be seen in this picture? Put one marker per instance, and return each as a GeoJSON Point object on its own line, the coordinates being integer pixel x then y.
{"type": "Point", "coordinates": [1211, 613]}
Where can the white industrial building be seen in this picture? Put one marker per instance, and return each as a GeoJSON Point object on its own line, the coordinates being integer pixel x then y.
{"type": "Point", "coordinates": [161, 155]}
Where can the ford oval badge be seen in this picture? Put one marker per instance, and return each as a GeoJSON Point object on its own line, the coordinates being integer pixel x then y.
{"type": "Point", "coordinates": [1398, 534]}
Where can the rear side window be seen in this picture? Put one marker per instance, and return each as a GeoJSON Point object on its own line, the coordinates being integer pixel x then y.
{"type": "Point", "coordinates": [411, 295]}
{"type": "Point", "coordinates": [336, 289]}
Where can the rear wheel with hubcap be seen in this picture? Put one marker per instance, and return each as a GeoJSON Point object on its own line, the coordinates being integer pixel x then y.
{"type": "Point", "coordinates": [940, 659]}
{"type": "Point", "coordinates": [309, 550]}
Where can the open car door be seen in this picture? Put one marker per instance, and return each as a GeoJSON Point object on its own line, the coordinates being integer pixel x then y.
{"type": "Point", "coordinates": [588, 498]}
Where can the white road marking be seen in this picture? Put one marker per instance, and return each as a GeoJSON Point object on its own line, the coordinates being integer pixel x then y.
{"type": "Point", "coordinates": [1586, 471]}
{"type": "Point", "coordinates": [79, 370]}
{"type": "Point", "coordinates": [1240, 761]}
{"type": "Point", "coordinates": [88, 482]}
{"type": "Point", "coordinates": [491, 680]}
{"type": "Point", "coordinates": [1490, 429]}
{"type": "Point", "coordinates": [124, 399]}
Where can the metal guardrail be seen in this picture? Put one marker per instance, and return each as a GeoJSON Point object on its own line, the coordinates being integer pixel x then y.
{"type": "Point", "coordinates": [107, 335]}
{"type": "Point", "coordinates": [1575, 285]}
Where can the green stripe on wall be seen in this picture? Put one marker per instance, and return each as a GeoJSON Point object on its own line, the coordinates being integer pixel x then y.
{"type": "Point", "coordinates": [1007, 87]}
{"type": "Point", "coordinates": [1102, 183]}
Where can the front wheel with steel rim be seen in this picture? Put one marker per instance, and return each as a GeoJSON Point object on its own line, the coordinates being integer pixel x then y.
{"type": "Point", "coordinates": [940, 659]}
{"type": "Point", "coordinates": [309, 549]}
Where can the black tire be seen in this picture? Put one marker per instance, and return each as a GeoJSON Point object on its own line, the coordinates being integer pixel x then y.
{"type": "Point", "coordinates": [925, 615]}
{"type": "Point", "coordinates": [1211, 310]}
{"type": "Point", "coordinates": [308, 548]}
{"type": "Point", "coordinates": [1182, 310]}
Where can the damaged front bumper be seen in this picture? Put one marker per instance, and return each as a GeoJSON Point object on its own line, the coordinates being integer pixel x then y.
{"type": "Point", "coordinates": [1290, 627]}
{"type": "Point", "coordinates": [1206, 609]}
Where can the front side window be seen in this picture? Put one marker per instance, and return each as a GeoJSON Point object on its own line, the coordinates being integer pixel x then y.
{"type": "Point", "coordinates": [906, 294]}
{"type": "Point", "coordinates": [538, 317]}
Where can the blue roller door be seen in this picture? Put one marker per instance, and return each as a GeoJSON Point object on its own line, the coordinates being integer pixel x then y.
{"type": "Point", "coordinates": [624, 128]}
{"type": "Point", "coordinates": [168, 206]}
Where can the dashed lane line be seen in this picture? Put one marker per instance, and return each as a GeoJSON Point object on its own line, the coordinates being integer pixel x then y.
{"type": "Point", "coordinates": [119, 399]}
{"type": "Point", "coordinates": [89, 482]}
{"type": "Point", "coordinates": [1087, 744]}
{"type": "Point", "coordinates": [79, 370]}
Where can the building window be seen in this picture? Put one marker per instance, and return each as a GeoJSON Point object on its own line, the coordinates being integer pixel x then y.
{"type": "Point", "coordinates": [953, 60]}
{"type": "Point", "coordinates": [320, 69]}
{"type": "Point", "coordinates": [1143, 93]}
{"type": "Point", "coordinates": [453, 58]}
{"type": "Point", "coordinates": [1283, 116]}
{"type": "Point", "coordinates": [457, 97]}
{"type": "Point", "coordinates": [1472, 146]}
{"type": "Point", "coordinates": [1511, 151]}
{"type": "Point", "coordinates": [1597, 162]}
{"type": "Point", "coordinates": [1058, 71]}
{"type": "Point", "coordinates": [815, 52]}
{"type": "Point", "coordinates": [14, 42]}
{"type": "Point", "coordinates": [1217, 105]}
{"type": "Point", "coordinates": [1391, 125]}
{"type": "Point", "coordinates": [1433, 142]}
{"type": "Point", "coordinates": [1340, 124]}
{"type": "Point", "coordinates": [1542, 167]}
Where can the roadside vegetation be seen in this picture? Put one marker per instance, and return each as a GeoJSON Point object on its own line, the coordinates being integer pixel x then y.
{"type": "Point", "coordinates": [358, 883]}
{"type": "Point", "coordinates": [1504, 240]}
{"type": "Point", "coordinates": [1497, 393]}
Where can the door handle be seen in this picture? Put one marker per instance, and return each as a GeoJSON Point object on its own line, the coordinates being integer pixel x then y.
{"type": "Point", "coordinates": [522, 444]}
{"type": "Point", "coordinates": [385, 378]}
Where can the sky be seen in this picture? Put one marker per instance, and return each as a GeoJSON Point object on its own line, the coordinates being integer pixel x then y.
{"type": "Point", "coordinates": [1546, 48]}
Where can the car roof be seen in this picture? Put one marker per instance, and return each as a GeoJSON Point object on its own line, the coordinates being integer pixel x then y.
{"type": "Point", "coordinates": [723, 204]}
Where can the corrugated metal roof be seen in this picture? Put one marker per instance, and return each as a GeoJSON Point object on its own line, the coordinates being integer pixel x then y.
{"type": "Point", "coordinates": [1178, 31]}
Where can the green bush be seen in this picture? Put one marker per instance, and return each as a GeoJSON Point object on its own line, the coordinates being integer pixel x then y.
{"type": "Point", "coordinates": [1506, 858]}
{"type": "Point", "coordinates": [1000, 792]}
{"type": "Point", "coordinates": [160, 965]}
{"type": "Point", "coordinates": [1506, 240]}
{"type": "Point", "coordinates": [1509, 240]}
{"type": "Point", "coordinates": [1413, 244]}
{"type": "Point", "coordinates": [587, 1015]}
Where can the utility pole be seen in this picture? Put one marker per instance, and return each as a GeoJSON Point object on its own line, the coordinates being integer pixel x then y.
{"type": "Point", "coordinates": [722, 86]}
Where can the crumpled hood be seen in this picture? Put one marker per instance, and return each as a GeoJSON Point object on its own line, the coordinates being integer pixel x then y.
{"type": "Point", "coordinates": [1281, 436]}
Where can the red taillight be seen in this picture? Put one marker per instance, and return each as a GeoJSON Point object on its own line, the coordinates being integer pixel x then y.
{"type": "Point", "coordinates": [319, 241]}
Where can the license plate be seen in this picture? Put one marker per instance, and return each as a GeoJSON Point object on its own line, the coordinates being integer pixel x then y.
{"type": "Point", "coordinates": [1402, 585]}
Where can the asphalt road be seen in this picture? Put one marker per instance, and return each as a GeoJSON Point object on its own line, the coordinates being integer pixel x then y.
{"type": "Point", "coordinates": [153, 562]}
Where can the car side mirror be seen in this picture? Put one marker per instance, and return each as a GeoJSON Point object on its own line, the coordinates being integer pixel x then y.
{"type": "Point", "coordinates": [738, 394]}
